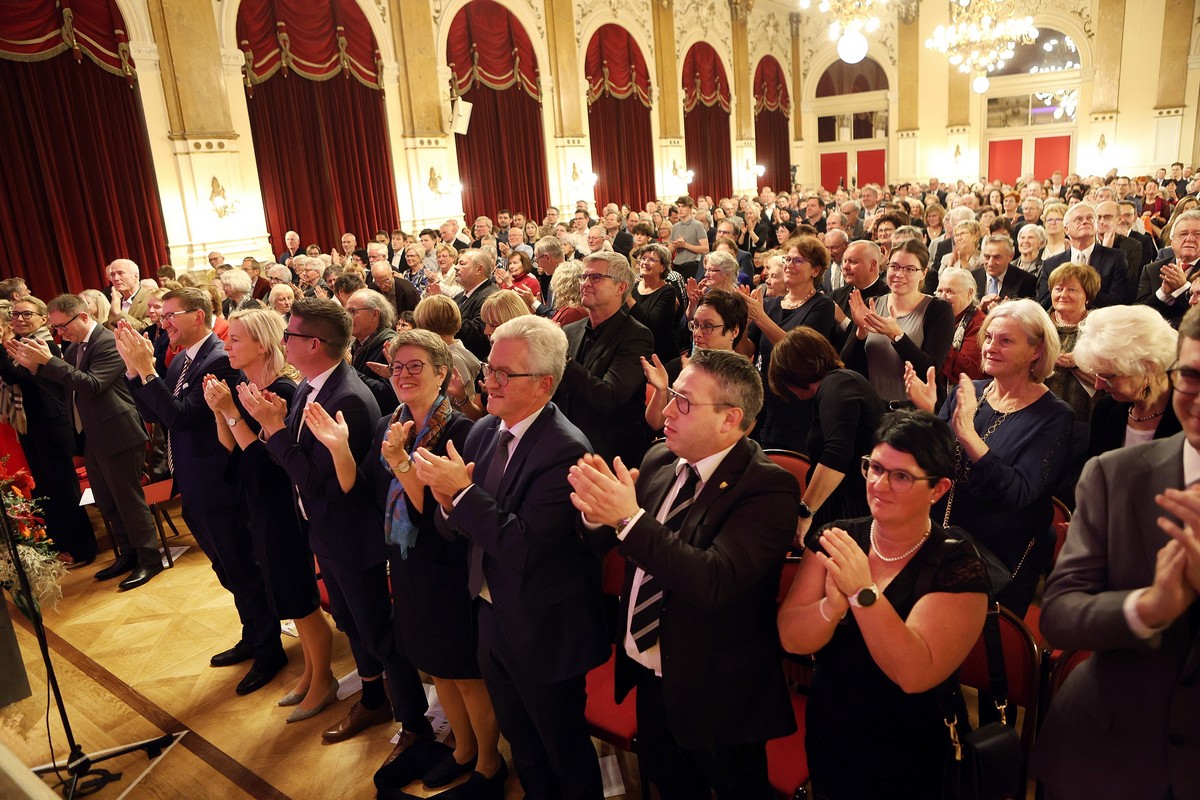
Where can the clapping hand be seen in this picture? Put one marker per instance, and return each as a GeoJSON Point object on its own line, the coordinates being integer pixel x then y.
{"type": "Point", "coordinates": [446, 475]}
{"type": "Point", "coordinates": [395, 442]}
{"type": "Point", "coordinates": [656, 373]}
{"type": "Point", "coordinates": [922, 393]}
{"type": "Point", "coordinates": [858, 313]}
{"type": "Point", "coordinates": [30, 352]}
{"type": "Point", "coordinates": [136, 350]}
{"type": "Point", "coordinates": [844, 561]}
{"type": "Point", "coordinates": [604, 496]}
{"type": "Point", "coordinates": [963, 421]}
{"type": "Point", "coordinates": [218, 396]}
{"type": "Point", "coordinates": [1184, 504]}
{"type": "Point", "coordinates": [332, 433]}
{"type": "Point", "coordinates": [268, 408]}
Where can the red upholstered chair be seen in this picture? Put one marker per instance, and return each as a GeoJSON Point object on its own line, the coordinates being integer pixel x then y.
{"type": "Point", "coordinates": [787, 760]}
{"type": "Point", "coordinates": [793, 462]}
{"type": "Point", "coordinates": [157, 496]}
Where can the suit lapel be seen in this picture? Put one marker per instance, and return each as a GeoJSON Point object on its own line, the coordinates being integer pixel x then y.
{"type": "Point", "coordinates": [1164, 462]}
{"type": "Point", "coordinates": [726, 475]}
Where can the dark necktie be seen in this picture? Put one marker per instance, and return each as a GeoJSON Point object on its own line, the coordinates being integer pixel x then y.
{"type": "Point", "coordinates": [187, 362]}
{"type": "Point", "coordinates": [491, 484]}
{"type": "Point", "coordinates": [77, 362]}
{"type": "Point", "coordinates": [643, 625]}
{"type": "Point", "coordinates": [297, 410]}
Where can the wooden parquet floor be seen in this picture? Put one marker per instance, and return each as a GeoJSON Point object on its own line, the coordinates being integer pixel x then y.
{"type": "Point", "coordinates": [133, 665]}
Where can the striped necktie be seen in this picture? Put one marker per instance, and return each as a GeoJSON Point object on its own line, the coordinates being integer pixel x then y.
{"type": "Point", "coordinates": [643, 625]}
{"type": "Point", "coordinates": [179, 383]}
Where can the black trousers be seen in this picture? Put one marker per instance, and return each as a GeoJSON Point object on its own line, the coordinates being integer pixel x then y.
{"type": "Point", "coordinates": [116, 482]}
{"type": "Point", "coordinates": [543, 722]}
{"type": "Point", "coordinates": [734, 772]}
{"type": "Point", "coordinates": [50, 451]}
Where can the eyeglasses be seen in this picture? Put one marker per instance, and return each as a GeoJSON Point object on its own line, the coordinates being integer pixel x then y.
{"type": "Point", "coordinates": [173, 314]}
{"type": "Point", "coordinates": [297, 335]}
{"type": "Point", "coordinates": [413, 368]}
{"type": "Point", "coordinates": [1184, 380]}
{"type": "Point", "coordinates": [904, 269]}
{"type": "Point", "coordinates": [797, 261]}
{"type": "Point", "coordinates": [501, 376]}
{"type": "Point", "coordinates": [898, 479]}
{"type": "Point", "coordinates": [62, 326]}
{"type": "Point", "coordinates": [594, 277]}
{"type": "Point", "coordinates": [706, 328]}
{"type": "Point", "coordinates": [684, 405]}
{"type": "Point", "coordinates": [353, 311]}
{"type": "Point", "coordinates": [24, 314]}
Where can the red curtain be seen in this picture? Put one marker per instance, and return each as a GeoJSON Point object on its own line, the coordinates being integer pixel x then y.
{"type": "Point", "coordinates": [320, 138]}
{"type": "Point", "coordinates": [619, 118]}
{"type": "Point", "coordinates": [772, 107]}
{"type": "Point", "coordinates": [706, 123]}
{"type": "Point", "coordinates": [77, 188]}
{"type": "Point", "coordinates": [502, 158]}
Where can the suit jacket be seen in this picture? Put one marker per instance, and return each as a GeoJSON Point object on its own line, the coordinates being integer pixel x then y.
{"type": "Point", "coordinates": [44, 405]}
{"type": "Point", "coordinates": [1133, 256]}
{"type": "Point", "coordinates": [604, 394]}
{"type": "Point", "coordinates": [138, 314]}
{"type": "Point", "coordinates": [199, 458]}
{"type": "Point", "coordinates": [343, 527]}
{"type": "Point", "coordinates": [1151, 282]}
{"type": "Point", "coordinates": [1095, 720]}
{"type": "Point", "coordinates": [471, 331]}
{"type": "Point", "coordinates": [545, 585]}
{"type": "Point", "coordinates": [1115, 288]}
{"type": "Point", "coordinates": [371, 349]}
{"type": "Point", "coordinates": [940, 251]}
{"type": "Point", "coordinates": [623, 243]}
{"type": "Point", "coordinates": [722, 662]}
{"type": "Point", "coordinates": [111, 423]}
{"type": "Point", "coordinates": [1017, 282]}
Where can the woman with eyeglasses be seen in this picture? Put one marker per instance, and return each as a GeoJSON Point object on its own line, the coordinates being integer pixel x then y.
{"type": "Point", "coordinates": [784, 422]}
{"type": "Point", "coordinates": [845, 413]}
{"type": "Point", "coordinates": [255, 346]}
{"type": "Point", "coordinates": [1014, 445]}
{"type": "Point", "coordinates": [653, 302]}
{"type": "Point", "coordinates": [432, 610]}
{"type": "Point", "coordinates": [904, 325]}
{"type": "Point", "coordinates": [890, 604]}
{"type": "Point", "coordinates": [719, 324]}
{"type": "Point", "coordinates": [1056, 233]}
{"type": "Point", "coordinates": [45, 428]}
{"type": "Point", "coordinates": [1129, 350]}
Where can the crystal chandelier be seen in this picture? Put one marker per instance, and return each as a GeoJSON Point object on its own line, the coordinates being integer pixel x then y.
{"type": "Point", "coordinates": [852, 20]}
{"type": "Point", "coordinates": [980, 38]}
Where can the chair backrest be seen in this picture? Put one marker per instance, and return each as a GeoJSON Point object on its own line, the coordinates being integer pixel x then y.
{"type": "Point", "coordinates": [790, 566]}
{"type": "Point", "coordinates": [793, 462]}
{"type": "Point", "coordinates": [612, 578]}
{"type": "Point", "coordinates": [1060, 524]}
{"type": "Point", "coordinates": [1063, 666]}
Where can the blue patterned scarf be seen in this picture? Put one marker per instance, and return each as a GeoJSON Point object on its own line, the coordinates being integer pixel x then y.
{"type": "Point", "coordinates": [399, 529]}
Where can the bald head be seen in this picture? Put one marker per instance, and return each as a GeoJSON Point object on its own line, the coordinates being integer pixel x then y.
{"type": "Point", "coordinates": [124, 275]}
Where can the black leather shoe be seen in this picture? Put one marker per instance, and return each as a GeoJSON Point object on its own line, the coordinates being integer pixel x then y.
{"type": "Point", "coordinates": [123, 564]}
{"type": "Point", "coordinates": [261, 673]}
{"type": "Point", "coordinates": [235, 655]}
{"type": "Point", "coordinates": [139, 577]}
{"type": "Point", "coordinates": [447, 772]}
{"type": "Point", "coordinates": [479, 787]}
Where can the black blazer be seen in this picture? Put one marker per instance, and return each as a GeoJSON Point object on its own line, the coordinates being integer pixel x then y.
{"type": "Point", "coordinates": [342, 527]}
{"type": "Point", "coordinates": [545, 585]}
{"type": "Point", "coordinates": [623, 243]}
{"type": "Point", "coordinates": [1151, 282]}
{"type": "Point", "coordinates": [45, 407]}
{"type": "Point", "coordinates": [110, 420]}
{"type": "Point", "coordinates": [1115, 288]}
{"type": "Point", "coordinates": [471, 331]}
{"type": "Point", "coordinates": [1133, 256]}
{"type": "Point", "coordinates": [371, 349]}
{"type": "Point", "coordinates": [604, 395]}
{"type": "Point", "coordinates": [1017, 282]}
{"type": "Point", "coordinates": [722, 676]}
{"type": "Point", "coordinates": [1109, 422]}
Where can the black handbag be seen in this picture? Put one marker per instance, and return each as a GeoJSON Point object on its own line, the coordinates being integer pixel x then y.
{"type": "Point", "coordinates": [985, 763]}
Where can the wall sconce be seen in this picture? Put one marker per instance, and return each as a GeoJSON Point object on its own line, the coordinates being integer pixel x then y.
{"type": "Point", "coordinates": [957, 154]}
{"type": "Point", "coordinates": [1101, 145]}
{"type": "Point", "coordinates": [580, 180]}
{"type": "Point", "coordinates": [222, 206]}
{"type": "Point", "coordinates": [686, 175]}
{"type": "Point", "coordinates": [435, 185]}
{"type": "Point", "coordinates": [757, 170]}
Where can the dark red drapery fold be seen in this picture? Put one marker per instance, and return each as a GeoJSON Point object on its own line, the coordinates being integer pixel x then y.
{"type": "Point", "coordinates": [323, 180]}
{"type": "Point", "coordinates": [502, 158]}
{"type": "Point", "coordinates": [619, 118]}
{"type": "Point", "coordinates": [773, 149]}
{"type": "Point", "coordinates": [77, 188]}
{"type": "Point", "coordinates": [709, 153]}
{"type": "Point", "coordinates": [704, 81]}
{"type": "Point", "coordinates": [35, 30]}
{"type": "Point", "coordinates": [770, 87]}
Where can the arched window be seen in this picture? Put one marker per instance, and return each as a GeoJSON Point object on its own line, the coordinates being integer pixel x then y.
{"type": "Point", "coordinates": [706, 123]}
{"type": "Point", "coordinates": [619, 118]}
{"type": "Point", "coordinates": [852, 124]}
{"type": "Point", "coordinates": [772, 108]}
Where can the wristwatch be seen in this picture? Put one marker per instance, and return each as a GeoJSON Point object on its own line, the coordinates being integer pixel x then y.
{"type": "Point", "coordinates": [149, 378]}
{"type": "Point", "coordinates": [231, 421]}
{"type": "Point", "coordinates": [896, 339]}
{"type": "Point", "coordinates": [805, 511]}
{"type": "Point", "coordinates": [403, 466]}
{"type": "Point", "coordinates": [865, 596]}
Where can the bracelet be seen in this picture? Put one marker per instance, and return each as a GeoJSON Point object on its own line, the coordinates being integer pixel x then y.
{"type": "Point", "coordinates": [821, 610]}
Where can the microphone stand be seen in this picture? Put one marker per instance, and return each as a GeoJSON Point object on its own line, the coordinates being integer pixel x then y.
{"type": "Point", "coordinates": [83, 779]}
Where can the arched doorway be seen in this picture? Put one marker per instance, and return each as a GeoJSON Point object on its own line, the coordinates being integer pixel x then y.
{"type": "Point", "coordinates": [619, 118]}
{"type": "Point", "coordinates": [852, 124]}
{"type": "Point", "coordinates": [772, 108]}
{"type": "Point", "coordinates": [706, 103]}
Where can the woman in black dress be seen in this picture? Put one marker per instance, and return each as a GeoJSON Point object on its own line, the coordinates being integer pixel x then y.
{"type": "Point", "coordinates": [885, 631]}
{"type": "Point", "coordinates": [255, 346]}
{"type": "Point", "coordinates": [434, 621]}
{"type": "Point", "coordinates": [654, 302]}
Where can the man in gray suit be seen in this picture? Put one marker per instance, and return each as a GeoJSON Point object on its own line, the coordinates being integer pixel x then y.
{"type": "Point", "coordinates": [1127, 721]}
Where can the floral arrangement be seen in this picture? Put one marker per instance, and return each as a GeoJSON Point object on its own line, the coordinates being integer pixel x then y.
{"type": "Point", "coordinates": [35, 547]}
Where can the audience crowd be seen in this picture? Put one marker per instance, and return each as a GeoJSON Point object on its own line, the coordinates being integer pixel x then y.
{"type": "Point", "coordinates": [462, 425]}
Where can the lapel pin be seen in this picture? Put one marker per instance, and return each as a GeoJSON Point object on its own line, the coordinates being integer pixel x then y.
{"type": "Point", "coordinates": [724, 485]}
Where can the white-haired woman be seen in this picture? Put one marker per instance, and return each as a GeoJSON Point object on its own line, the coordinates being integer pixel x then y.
{"type": "Point", "coordinates": [1030, 242]}
{"type": "Point", "coordinates": [237, 286]}
{"type": "Point", "coordinates": [1129, 349]}
{"type": "Point", "coordinates": [1056, 232]}
{"type": "Point", "coordinates": [958, 287]}
{"type": "Point", "coordinates": [1014, 446]}
{"type": "Point", "coordinates": [965, 253]}
{"type": "Point", "coordinates": [281, 298]}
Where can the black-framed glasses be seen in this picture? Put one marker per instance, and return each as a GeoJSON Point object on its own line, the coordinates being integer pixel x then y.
{"type": "Point", "coordinates": [501, 376]}
{"type": "Point", "coordinates": [23, 314]}
{"type": "Point", "coordinates": [62, 326]}
{"type": "Point", "coordinates": [1184, 380]}
{"type": "Point", "coordinates": [685, 405]}
{"type": "Point", "coordinates": [899, 480]}
{"type": "Point", "coordinates": [171, 315]}
{"type": "Point", "coordinates": [594, 277]}
{"type": "Point", "coordinates": [297, 335]}
{"type": "Point", "coordinates": [706, 328]}
{"type": "Point", "coordinates": [413, 368]}
{"type": "Point", "coordinates": [906, 270]}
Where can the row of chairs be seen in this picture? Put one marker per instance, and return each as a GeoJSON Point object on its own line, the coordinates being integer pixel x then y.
{"type": "Point", "coordinates": [158, 495]}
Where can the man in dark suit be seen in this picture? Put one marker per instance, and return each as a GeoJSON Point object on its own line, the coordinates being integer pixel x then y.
{"type": "Point", "coordinates": [1126, 220]}
{"type": "Point", "coordinates": [997, 280]}
{"type": "Point", "coordinates": [705, 526]}
{"type": "Point", "coordinates": [114, 437]}
{"type": "Point", "coordinates": [733, 229]}
{"type": "Point", "coordinates": [1164, 284]}
{"type": "Point", "coordinates": [861, 263]}
{"type": "Point", "coordinates": [372, 319]}
{"type": "Point", "coordinates": [1108, 218]}
{"type": "Point", "coordinates": [1115, 288]}
{"type": "Point", "coordinates": [603, 389]}
{"type": "Point", "coordinates": [345, 530]}
{"type": "Point", "coordinates": [198, 461]}
{"type": "Point", "coordinates": [622, 240]}
{"type": "Point", "coordinates": [1125, 587]}
{"type": "Point", "coordinates": [399, 292]}
{"type": "Point", "coordinates": [475, 276]}
{"type": "Point", "coordinates": [537, 588]}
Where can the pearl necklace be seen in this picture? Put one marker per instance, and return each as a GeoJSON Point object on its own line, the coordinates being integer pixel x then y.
{"type": "Point", "coordinates": [1147, 418]}
{"type": "Point", "coordinates": [902, 556]}
{"type": "Point", "coordinates": [788, 303]}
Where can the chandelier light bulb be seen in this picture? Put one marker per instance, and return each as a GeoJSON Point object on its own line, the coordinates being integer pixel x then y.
{"type": "Point", "coordinates": [980, 84]}
{"type": "Point", "coordinates": [852, 47]}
